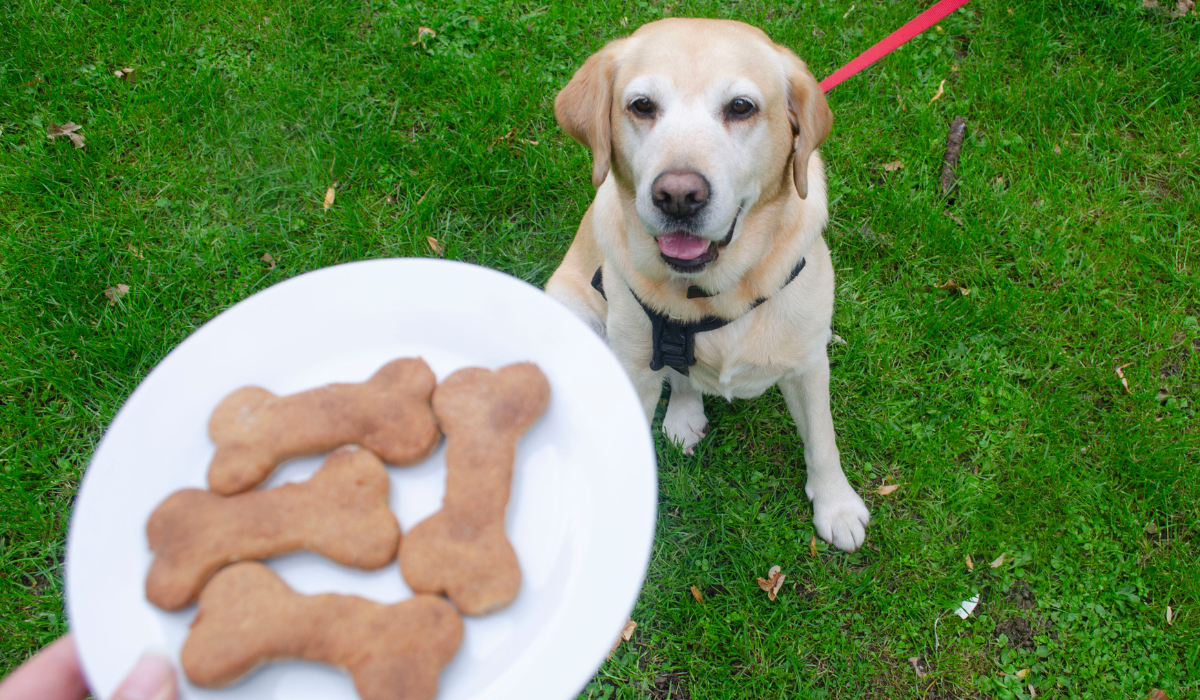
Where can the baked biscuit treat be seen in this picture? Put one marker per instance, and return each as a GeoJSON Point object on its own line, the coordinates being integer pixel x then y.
{"type": "Point", "coordinates": [389, 414]}
{"type": "Point", "coordinates": [341, 512]}
{"type": "Point", "coordinates": [248, 616]}
{"type": "Point", "coordinates": [462, 550]}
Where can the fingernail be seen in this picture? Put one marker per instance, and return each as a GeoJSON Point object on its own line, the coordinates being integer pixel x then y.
{"type": "Point", "coordinates": [152, 678]}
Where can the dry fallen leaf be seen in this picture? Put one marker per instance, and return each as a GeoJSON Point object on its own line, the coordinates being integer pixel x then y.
{"type": "Point", "coordinates": [696, 594]}
{"type": "Point", "coordinates": [116, 292]}
{"type": "Point", "coordinates": [941, 89]}
{"type": "Point", "coordinates": [437, 248]}
{"type": "Point", "coordinates": [330, 195]}
{"type": "Point", "coordinates": [837, 339]}
{"type": "Point", "coordinates": [886, 489]}
{"type": "Point", "coordinates": [970, 564]}
{"type": "Point", "coordinates": [69, 130]}
{"type": "Point", "coordinates": [269, 260]}
{"type": "Point", "coordinates": [918, 665]}
{"type": "Point", "coordinates": [625, 635]}
{"type": "Point", "coordinates": [423, 32]}
{"type": "Point", "coordinates": [1170, 616]}
{"type": "Point", "coordinates": [775, 589]}
{"type": "Point", "coordinates": [505, 137]}
{"type": "Point", "coordinates": [511, 133]}
{"type": "Point", "coordinates": [999, 560]}
{"type": "Point", "coordinates": [1182, 7]}
{"type": "Point", "coordinates": [1157, 694]}
{"type": "Point", "coordinates": [893, 166]}
{"type": "Point", "coordinates": [812, 546]}
{"type": "Point", "coordinates": [1022, 673]}
{"type": "Point", "coordinates": [1121, 376]}
{"type": "Point", "coordinates": [848, 12]}
{"type": "Point", "coordinates": [952, 286]}
{"type": "Point", "coordinates": [773, 582]}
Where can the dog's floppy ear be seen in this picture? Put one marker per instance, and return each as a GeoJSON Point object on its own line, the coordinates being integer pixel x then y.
{"type": "Point", "coordinates": [810, 116]}
{"type": "Point", "coordinates": [584, 107]}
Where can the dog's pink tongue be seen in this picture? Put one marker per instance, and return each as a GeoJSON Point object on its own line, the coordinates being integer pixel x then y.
{"type": "Point", "coordinates": [683, 246]}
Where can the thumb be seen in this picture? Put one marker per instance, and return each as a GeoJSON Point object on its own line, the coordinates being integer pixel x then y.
{"type": "Point", "coordinates": [153, 678]}
{"type": "Point", "coordinates": [53, 674]}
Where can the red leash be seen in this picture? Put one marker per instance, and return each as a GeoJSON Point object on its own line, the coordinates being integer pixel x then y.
{"type": "Point", "coordinates": [898, 38]}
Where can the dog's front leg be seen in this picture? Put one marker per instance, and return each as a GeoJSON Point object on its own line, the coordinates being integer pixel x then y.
{"type": "Point", "coordinates": [839, 514]}
{"type": "Point", "coordinates": [684, 423]}
{"type": "Point", "coordinates": [649, 388]}
{"type": "Point", "coordinates": [629, 334]}
{"type": "Point", "coordinates": [635, 359]}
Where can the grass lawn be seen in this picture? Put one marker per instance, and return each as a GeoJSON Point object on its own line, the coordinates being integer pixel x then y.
{"type": "Point", "coordinates": [1076, 228]}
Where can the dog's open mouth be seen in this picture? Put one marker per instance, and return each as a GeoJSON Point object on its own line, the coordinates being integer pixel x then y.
{"type": "Point", "coordinates": [683, 246]}
{"type": "Point", "coordinates": [687, 253]}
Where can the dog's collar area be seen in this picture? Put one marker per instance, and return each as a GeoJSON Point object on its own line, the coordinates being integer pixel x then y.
{"type": "Point", "coordinates": [674, 342]}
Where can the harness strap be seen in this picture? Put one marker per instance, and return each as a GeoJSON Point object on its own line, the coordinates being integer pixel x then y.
{"type": "Point", "coordinates": [674, 342]}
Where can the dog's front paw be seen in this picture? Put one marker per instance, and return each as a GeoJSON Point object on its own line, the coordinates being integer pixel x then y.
{"type": "Point", "coordinates": [685, 427]}
{"type": "Point", "coordinates": [840, 516]}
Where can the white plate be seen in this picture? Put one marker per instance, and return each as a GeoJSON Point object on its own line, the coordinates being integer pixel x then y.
{"type": "Point", "coordinates": [581, 516]}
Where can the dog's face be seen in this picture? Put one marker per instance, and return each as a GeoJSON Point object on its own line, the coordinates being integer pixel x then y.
{"type": "Point", "coordinates": [699, 121]}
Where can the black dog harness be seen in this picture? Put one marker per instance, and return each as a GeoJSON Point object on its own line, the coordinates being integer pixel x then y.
{"type": "Point", "coordinates": [674, 341]}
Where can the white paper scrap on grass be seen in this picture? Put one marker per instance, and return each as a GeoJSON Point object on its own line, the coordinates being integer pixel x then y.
{"type": "Point", "coordinates": [965, 608]}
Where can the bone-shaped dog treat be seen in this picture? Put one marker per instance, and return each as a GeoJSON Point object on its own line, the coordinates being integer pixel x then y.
{"type": "Point", "coordinates": [389, 414]}
{"type": "Point", "coordinates": [462, 550]}
{"type": "Point", "coordinates": [341, 512]}
{"type": "Point", "coordinates": [248, 616]}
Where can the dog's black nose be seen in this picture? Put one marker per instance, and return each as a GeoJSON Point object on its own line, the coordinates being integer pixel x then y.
{"type": "Point", "coordinates": [680, 193]}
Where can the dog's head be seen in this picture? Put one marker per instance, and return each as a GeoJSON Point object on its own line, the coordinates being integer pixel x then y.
{"type": "Point", "coordinates": [699, 121]}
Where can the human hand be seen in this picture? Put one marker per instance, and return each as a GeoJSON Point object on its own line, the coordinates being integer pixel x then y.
{"type": "Point", "coordinates": [54, 673]}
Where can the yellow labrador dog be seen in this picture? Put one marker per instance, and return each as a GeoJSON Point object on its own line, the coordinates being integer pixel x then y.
{"type": "Point", "coordinates": [701, 259]}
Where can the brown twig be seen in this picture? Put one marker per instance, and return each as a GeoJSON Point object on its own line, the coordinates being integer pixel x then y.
{"type": "Point", "coordinates": [958, 129]}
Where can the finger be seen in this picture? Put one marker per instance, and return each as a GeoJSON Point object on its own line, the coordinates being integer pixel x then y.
{"type": "Point", "coordinates": [153, 678]}
{"type": "Point", "coordinates": [53, 674]}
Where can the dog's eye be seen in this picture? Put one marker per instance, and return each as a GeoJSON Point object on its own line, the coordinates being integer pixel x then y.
{"type": "Point", "coordinates": [642, 107]}
{"type": "Point", "coordinates": [740, 108]}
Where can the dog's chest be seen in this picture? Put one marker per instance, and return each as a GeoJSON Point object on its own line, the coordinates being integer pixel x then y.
{"type": "Point", "coordinates": [737, 381]}
{"type": "Point", "coordinates": [743, 359]}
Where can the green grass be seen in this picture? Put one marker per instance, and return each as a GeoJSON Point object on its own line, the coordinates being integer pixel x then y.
{"type": "Point", "coordinates": [1075, 227]}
